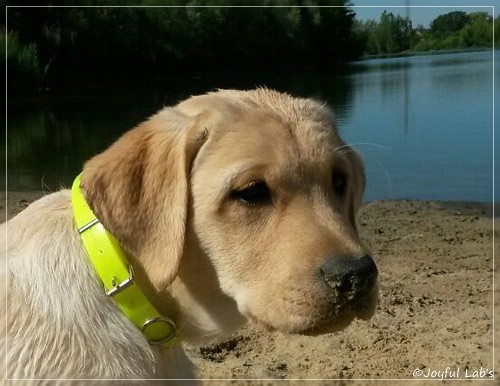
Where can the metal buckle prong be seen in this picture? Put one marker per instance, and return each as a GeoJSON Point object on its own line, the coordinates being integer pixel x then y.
{"type": "Point", "coordinates": [88, 225]}
{"type": "Point", "coordinates": [117, 288]}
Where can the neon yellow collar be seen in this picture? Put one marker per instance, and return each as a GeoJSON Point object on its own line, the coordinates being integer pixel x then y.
{"type": "Point", "coordinates": [117, 274]}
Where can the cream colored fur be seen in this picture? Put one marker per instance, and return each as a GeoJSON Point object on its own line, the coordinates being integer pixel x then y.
{"type": "Point", "coordinates": [207, 260]}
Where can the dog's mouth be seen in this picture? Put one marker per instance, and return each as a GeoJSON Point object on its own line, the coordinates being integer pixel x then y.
{"type": "Point", "coordinates": [344, 315]}
{"type": "Point", "coordinates": [337, 315]}
{"type": "Point", "coordinates": [361, 303]}
{"type": "Point", "coordinates": [362, 307]}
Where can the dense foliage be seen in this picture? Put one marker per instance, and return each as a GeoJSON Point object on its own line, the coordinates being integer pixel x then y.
{"type": "Point", "coordinates": [457, 30]}
{"type": "Point", "coordinates": [53, 47]}
{"type": "Point", "coordinates": [392, 34]}
{"type": "Point", "coordinates": [449, 23]}
{"type": "Point", "coordinates": [454, 30]}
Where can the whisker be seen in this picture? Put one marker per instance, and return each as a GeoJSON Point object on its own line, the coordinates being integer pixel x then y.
{"type": "Point", "coordinates": [45, 188]}
{"type": "Point", "coordinates": [362, 143]}
{"type": "Point", "coordinates": [387, 176]}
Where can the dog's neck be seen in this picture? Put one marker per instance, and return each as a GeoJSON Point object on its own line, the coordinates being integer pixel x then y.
{"type": "Point", "coordinates": [117, 274]}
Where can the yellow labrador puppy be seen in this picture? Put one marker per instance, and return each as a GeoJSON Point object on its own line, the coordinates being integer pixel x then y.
{"type": "Point", "coordinates": [229, 206]}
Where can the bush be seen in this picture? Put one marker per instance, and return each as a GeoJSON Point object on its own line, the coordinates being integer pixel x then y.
{"type": "Point", "coordinates": [23, 65]}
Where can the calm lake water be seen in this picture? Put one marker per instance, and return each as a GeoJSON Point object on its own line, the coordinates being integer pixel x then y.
{"type": "Point", "coordinates": [423, 124]}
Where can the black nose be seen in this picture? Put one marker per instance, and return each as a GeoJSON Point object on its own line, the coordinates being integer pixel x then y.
{"type": "Point", "coordinates": [350, 277]}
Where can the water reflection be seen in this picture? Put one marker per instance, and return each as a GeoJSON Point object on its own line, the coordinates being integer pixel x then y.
{"type": "Point", "coordinates": [434, 114]}
{"type": "Point", "coordinates": [429, 120]}
{"type": "Point", "coordinates": [48, 144]}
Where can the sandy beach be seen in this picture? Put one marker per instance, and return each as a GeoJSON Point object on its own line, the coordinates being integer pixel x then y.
{"type": "Point", "coordinates": [435, 317]}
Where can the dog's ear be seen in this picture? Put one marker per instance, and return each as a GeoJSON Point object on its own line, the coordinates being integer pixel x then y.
{"type": "Point", "coordinates": [139, 190]}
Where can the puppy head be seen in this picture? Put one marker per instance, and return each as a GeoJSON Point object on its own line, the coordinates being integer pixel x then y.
{"type": "Point", "coordinates": [274, 197]}
{"type": "Point", "coordinates": [247, 196]}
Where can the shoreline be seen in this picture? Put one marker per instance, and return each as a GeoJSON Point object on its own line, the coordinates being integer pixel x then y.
{"type": "Point", "coordinates": [405, 54]}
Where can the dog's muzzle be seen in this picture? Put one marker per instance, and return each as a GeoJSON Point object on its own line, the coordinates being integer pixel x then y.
{"type": "Point", "coordinates": [350, 280]}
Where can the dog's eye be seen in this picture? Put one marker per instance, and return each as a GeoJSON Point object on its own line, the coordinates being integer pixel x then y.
{"type": "Point", "coordinates": [339, 183]}
{"type": "Point", "coordinates": [257, 193]}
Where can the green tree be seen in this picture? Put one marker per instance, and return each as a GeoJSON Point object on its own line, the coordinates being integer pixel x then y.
{"type": "Point", "coordinates": [478, 32]}
{"type": "Point", "coordinates": [327, 34]}
{"type": "Point", "coordinates": [449, 23]}
{"type": "Point", "coordinates": [392, 34]}
{"type": "Point", "coordinates": [475, 31]}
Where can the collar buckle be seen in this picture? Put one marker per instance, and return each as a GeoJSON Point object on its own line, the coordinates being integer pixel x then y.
{"type": "Point", "coordinates": [117, 288]}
